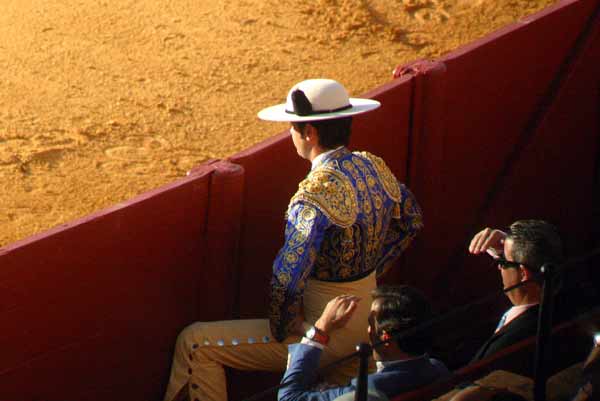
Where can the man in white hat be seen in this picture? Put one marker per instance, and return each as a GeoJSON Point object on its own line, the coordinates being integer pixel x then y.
{"type": "Point", "coordinates": [349, 219]}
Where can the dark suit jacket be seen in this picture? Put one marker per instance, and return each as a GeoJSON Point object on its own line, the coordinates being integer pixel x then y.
{"type": "Point", "coordinates": [394, 379]}
{"type": "Point", "coordinates": [522, 327]}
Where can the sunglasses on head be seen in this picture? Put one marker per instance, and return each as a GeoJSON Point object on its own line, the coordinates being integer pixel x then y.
{"type": "Point", "coordinates": [506, 264]}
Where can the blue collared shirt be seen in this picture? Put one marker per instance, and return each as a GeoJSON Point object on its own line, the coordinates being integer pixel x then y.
{"type": "Point", "coordinates": [395, 378]}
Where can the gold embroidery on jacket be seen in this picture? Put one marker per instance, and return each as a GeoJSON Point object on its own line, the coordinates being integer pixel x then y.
{"type": "Point", "coordinates": [387, 178]}
{"type": "Point", "coordinates": [332, 193]}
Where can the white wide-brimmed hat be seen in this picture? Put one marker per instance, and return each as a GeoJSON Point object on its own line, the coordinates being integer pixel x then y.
{"type": "Point", "coordinates": [317, 99]}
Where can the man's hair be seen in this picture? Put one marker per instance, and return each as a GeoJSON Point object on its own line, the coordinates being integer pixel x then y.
{"type": "Point", "coordinates": [402, 308]}
{"type": "Point", "coordinates": [535, 242]}
{"type": "Point", "coordinates": [332, 133]}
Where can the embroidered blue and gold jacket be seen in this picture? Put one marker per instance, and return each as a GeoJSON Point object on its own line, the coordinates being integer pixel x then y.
{"type": "Point", "coordinates": [350, 216]}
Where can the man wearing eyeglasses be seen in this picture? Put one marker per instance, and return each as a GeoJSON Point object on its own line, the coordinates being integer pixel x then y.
{"type": "Point", "coordinates": [519, 254]}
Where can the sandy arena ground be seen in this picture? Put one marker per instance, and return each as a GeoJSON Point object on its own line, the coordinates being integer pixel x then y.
{"type": "Point", "coordinates": [102, 100]}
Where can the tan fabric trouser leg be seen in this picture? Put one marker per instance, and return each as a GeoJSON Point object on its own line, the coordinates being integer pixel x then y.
{"type": "Point", "coordinates": [203, 348]}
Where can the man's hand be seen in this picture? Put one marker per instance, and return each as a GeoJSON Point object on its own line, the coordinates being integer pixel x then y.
{"type": "Point", "coordinates": [337, 313]}
{"type": "Point", "coordinates": [488, 240]}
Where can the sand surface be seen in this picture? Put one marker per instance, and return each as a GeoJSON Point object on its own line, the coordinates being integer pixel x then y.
{"type": "Point", "coordinates": [102, 100]}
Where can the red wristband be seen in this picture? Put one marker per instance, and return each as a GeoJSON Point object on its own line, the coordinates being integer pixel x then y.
{"type": "Point", "coordinates": [317, 335]}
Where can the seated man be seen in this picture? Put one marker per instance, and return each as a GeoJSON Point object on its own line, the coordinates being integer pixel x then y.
{"type": "Point", "coordinates": [402, 365]}
{"type": "Point", "coordinates": [519, 255]}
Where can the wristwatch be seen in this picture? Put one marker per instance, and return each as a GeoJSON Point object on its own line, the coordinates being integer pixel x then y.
{"type": "Point", "coordinates": [317, 335]}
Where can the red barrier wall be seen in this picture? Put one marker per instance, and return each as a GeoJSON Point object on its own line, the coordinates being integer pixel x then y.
{"type": "Point", "coordinates": [387, 132]}
{"type": "Point", "coordinates": [480, 161]}
{"type": "Point", "coordinates": [218, 276]}
{"type": "Point", "coordinates": [90, 311]}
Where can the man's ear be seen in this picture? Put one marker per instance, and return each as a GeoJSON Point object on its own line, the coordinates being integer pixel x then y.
{"type": "Point", "coordinates": [310, 134]}
{"type": "Point", "coordinates": [526, 274]}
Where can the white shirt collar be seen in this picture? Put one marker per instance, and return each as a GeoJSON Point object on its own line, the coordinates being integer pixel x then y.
{"type": "Point", "coordinates": [317, 161]}
{"type": "Point", "coordinates": [516, 310]}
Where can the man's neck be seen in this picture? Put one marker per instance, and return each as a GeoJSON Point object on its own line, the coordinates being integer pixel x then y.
{"type": "Point", "coordinates": [316, 152]}
{"type": "Point", "coordinates": [530, 297]}
{"type": "Point", "coordinates": [318, 158]}
{"type": "Point", "coordinates": [393, 355]}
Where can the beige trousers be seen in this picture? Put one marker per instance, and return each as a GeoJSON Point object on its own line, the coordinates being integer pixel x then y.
{"type": "Point", "coordinates": [204, 348]}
